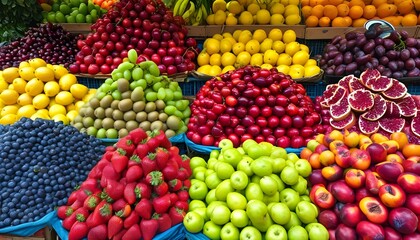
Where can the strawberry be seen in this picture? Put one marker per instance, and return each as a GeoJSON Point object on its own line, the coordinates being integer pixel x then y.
{"type": "Point", "coordinates": [143, 191]}
{"type": "Point", "coordinates": [161, 189]}
{"type": "Point", "coordinates": [81, 214]}
{"type": "Point", "coordinates": [152, 143]}
{"type": "Point", "coordinates": [114, 189]}
{"type": "Point", "coordinates": [119, 204]}
{"type": "Point", "coordinates": [134, 160]}
{"type": "Point", "coordinates": [134, 173]}
{"type": "Point", "coordinates": [108, 154]}
{"type": "Point", "coordinates": [142, 150]}
{"type": "Point", "coordinates": [133, 233]}
{"type": "Point", "coordinates": [76, 204]}
{"type": "Point", "coordinates": [119, 160]}
{"type": "Point", "coordinates": [170, 171]}
{"type": "Point", "coordinates": [163, 140]}
{"type": "Point", "coordinates": [173, 197]}
{"type": "Point", "coordinates": [173, 151]}
{"type": "Point", "coordinates": [64, 211]}
{"type": "Point", "coordinates": [91, 202]}
{"type": "Point", "coordinates": [137, 135]}
{"type": "Point", "coordinates": [100, 215]}
{"type": "Point", "coordinates": [129, 194]}
{"type": "Point", "coordinates": [78, 231]}
{"type": "Point", "coordinates": [126, 143]}
{"type": "Point", "coordinates": [119, 235]}
{"type": "Point", "coordinates": [182, 205]}
{"type": "Point", "coordinates": [175, 185]}
{"type": "Point", "coordinates": [186, 184]}
{"type": "Point", "coordinates": [91, 185]}
{"type": "Point", "coordinates": [95, 173]}
{"type": "Point", "coordinates": [154, 178]}
{"type": "Point", "coordinates": [183, 195]}
{"type": "Point", "coordinates": [162, 157]}
{"type": "Point", "coordinates": [144, 208]}
{"type": "Point", "coordinates": [124, 212]}
{"type": "Point", "coordinates": [98, 233]}
{"type": "Point", "coordinates": [69, 221]}
{"type": "Point", "coordinates": [115, 224]}
{"type": "Point", "coordinates": [132, 219]}
{"type": "Point", "coordinates": [164, 221]}
{"type": "Point", "coordinates": [177, 215]}
{"type": "Point", "coordinates": [148, 163]}
{"type": "Point", "coordinates": [183, 174]}
{"type": "Point", "coordinates": [109, 173]}
{"type": "Point", "coordinates": [161, 204]}
{"type": "Point", "coordinates": [148, 228]}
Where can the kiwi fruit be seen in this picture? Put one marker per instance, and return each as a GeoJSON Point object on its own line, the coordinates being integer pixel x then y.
{"type": "Point", "coordinates": [99, 113]}
{"type": "Point", "coordinates": [87, 122]}
{"type": "Point", "coordinates": [78, 126]}
{"type": "Point", "coordinates": [117, 114]}
{"type": "Point", "coordinates": [156, 125]}
{"type": "Point", "coordinates": [173, 122]}
{"type": "Point", "coordinates": [114, 104]}
{"type": "Point", "coordinates": [160, 104]}
{"type": "Point", "coordinates": [78, 119]}
{"type": "Point", "coordinates": [170, 133]}
{"type": "Point", "coordinates": [131, 125]}
{"type": "Point", "coordinates": [94, 102]}
{"type": "Point", "coordinates": [82, 112]}
{"type": "Point", "coordinates": [145, 125]}
{"type": "Point", "coordinates": [119, 124]}
{"type": "Point", "coordinates": [150, 107]}
{"type": "Point", "coordinates": [97, 123]}
{"type": "Point", "coordinates": [152, 116]}
{"type": "Point", "coordinates": [130, 115]}
{"type": "Point", "coordinates": [126, 94]}
{"type": "Point", "coordinates": [125, 105]}
{"type": "Point", "coordinates": [108, 112]}
{"type": "Point", "coordinates": [163, 117]}
{"type": "Point", "coordinates": [108, 123]}
{"type": "Point", "coordinates": [139, 106]}
{"type": "Point", "coordinates": [122, 133]}
{"type": "Point", "coordinates": [106, 101]}
{"type": "Point", "coordinates": [123, 85]}
{"type": "Point", "coordinates": [141, 116]}
{"type": "Point", "coordinates": [89, 112]}
{"type": "Point", "coordinates": [137, 94]}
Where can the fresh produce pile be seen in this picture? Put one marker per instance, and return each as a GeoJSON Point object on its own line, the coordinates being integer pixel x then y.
{"type": "Point", "coordinates": [253, 103]}
{"type": "Point", "coordinates": [193, 13]}
{"type": "Point", "coordinates": [36, 89]}
{"type": "Point", "coordinates": [366, 187]}
{"type": "Point", "coordinates": [47, 41]}
{"type": "Point", "coordinates": [356, 13]}
{"type": "Point", "coordinates": [138, 189]}
{"type": "Point", "coordinates": [394, 56]}
{"type": "Point", "coordinates": [105, 4]}
{"type": "Point", "coordinates": [136, 96]}
{"type": "Point", "coordinates": [370, 104]}
{"type": "Point", "coordinates": [74, 11]}
{"type": "Point", "coordinates": [147, 26]}
{"type": "Point", "coordinates": [222, 53]}
{"type": "Point", "coordinates": [41, 162]}
{"type": "Point", "coordinates": [253, 190]}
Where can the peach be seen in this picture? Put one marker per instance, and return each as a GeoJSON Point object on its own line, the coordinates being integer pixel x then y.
{"type": "Point", "coordinates": [351, 139]}
{"type": "Point", "coordinates": [391, 234]}
{"type": "Point", "coordinates": [343, 232]}
{"type": "Point", "coordinates": [328, 218]}
{"type": "Point", "coordinates": [392, 195]}
{"type": "Point", "coordinates": [363, 139]}
{"type": "Point", "coordinates": [351, 215]}
{"type": "Point", "coordinates": [411, 150]}
{"type": "Point", "coordinates": [305, 153]}
{"type": "Point", "coordinates": [332, 173]}
{"type": "Point", "coordinates": [400, 137]}
{"type": "Point", "coordinates": [377, 152]}
{"type": "Point", "coordinates": [412, 164]}
{"type": "Point", "coordinates": [313, 190]}
{"type": "Point", "coordinates": [374, 210]}
{"type": "Point", "coordinates": [410, 182]}
{"type": "Point", "coordinates": [373, 182]}
{"type": "Point", "coordinates": [320, 148]}
{"type": "Point", "coordinates": [342, 192]}
{"type": "Point", "coordinates": [360, 159]}
{"type": "Point", "coordinates": [314, 160]}
{"type": "Point", "coordinates": [370, 230]}
{"type": "Point", "coordinates": [327, 158]}
{"type": "Point", "coordinates": [316, 178]}
{"type": "Point", "coordinates": [342, 157]}
{"type": "Point", "coordinates": [320, 138]}
{"type": "Point", "coordinates": [391, 146]}
{"type": "Point", "coordinates": [336, 144]}
{"type": "Point", "coordinates": [362, 193]}
{"type": "Point", "coordinates": [323, 198]}
{"type": "Point", "coordinates": [355, 178]}
{"type": "Point", "coordinates": [403, 220]}
{"type": "Point", "coordinates": [389, 171]}
{"type": "Point", "coordinates": [378, 138]}
{"type": "Point", "coordinates": [394, 157]}
{"type": "Point", "coordinates": [333, 135]}
{"type": "Point", "coordinates": [413, 203]}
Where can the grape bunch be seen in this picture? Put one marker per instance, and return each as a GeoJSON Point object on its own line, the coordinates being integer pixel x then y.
{"type": "Point", "coordinates": [41, 162]}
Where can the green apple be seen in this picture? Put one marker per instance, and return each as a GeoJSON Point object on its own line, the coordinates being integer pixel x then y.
{"type": "Point", "coordinates": [197, 162]}
{"type": "Point", "coordinates": [278, 164]}
{"type": "Point", "coordinates": [239, 218]}
{"type": "Point", "coordinates": [199, 173]}
{"type": "Point", "coordinates": [193, 222]}
{"type": "Point", "coordinates": [278, 152]}
{"type": "Point", "coordinates": [236, 200]}
{"type": "Point", "coordinates": [262, 166]}
{"type": "Point", "coordinates": [211, 196]}
{"type": "Point", "coordinates": [290, 163]}
{"type": "Point", "coordinates": [198, 190]}
{"type": "Point", "coordinates": [255, 179]}
{"type": "Point", "coordinates": [305, 198]}
{"type": "Point", "coordinates": [303, 167]}
{"type": "Point", "coordinates": [280, 183]}
{"type": "Point", "coordinates": [317, 231]}
{"type": "Point", "coordinates": [212, 180]}
{"type": "Point", "coordinates": [312, 144]}
{"type": "Point", "coordinates": [267, 147]}
{"type": "Point", "coordinates": [290, 197]}
{"type": "Point", "coordinates": [273, 198]}
{"type": "Point", "coordinates": [220, 215]}
{"type": "Point", "coordinates": [208, 172]}
{"type": "Point", "coordinates": [255, 151]}
{"type": "Point", "coordinates": [301, 186]}
{"type": "Point", "coordinates": [224, 170]}
{"type": "Point", "coordinates": [297, 233]}
{"type": "Point", "coordinates": [223, 189]}
{"type": "Point", "coordinates": [229, 232]}
{"type": "Point", "coordinates": [248, 144]}
{"type": "Point", "coordinates": [289, 175]}
{"type": "Point", "coordinates": [212, 205]}
{"type": "Point", "coordinates": [202, 212]}
{"type": "Point", "coordinates": [268, 185]}
{"type": "Point", "coordinates": [263, 223]}
{"type": "Point", "coordinates": [253, 191]}
{"type": "Point", "coordinates": [212, 230]}
{"type": "Point", "coordinates": [214, 153]}
{"type": "Point", "coordinates": [293, 157]}
{"type": "Point", "coordinates": [193, 204]}
{"type": "Point", "coordinates": [306, 212]}
{"type": "Point", "coordinates": [245, 166]}
{"type": "Point", "coordinates": [241, 150]}
{"type": "Point", "coordinates": [250, 233]}
{"type": "Point", "coordinates": [239, 180]}
{"type": "Point", "coordinates": [276, 232]}
{"type": "Point", "coordinates": [294, 221]}
{"type": "Point", "coordinates": [256, 209]}
{"type": "Point", "coordinates": [280, 213]}
{"type": "Point", "coordinates": [211, 162]}
{"type": "Point", "coordinates": [225, 144]}
{"type": "Point", "coordinates": [232, 156]}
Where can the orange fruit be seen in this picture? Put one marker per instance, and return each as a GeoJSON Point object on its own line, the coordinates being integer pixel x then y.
{"type": "Point", "coordinates": [343, 10]}
{"type": "Point", "coordinates": [378, 3]}
{"type": "Point", "coordinates": [418, 20]}
{"type": "Point", "coordinates": [348, 20]}
{"type": "Point", "coordinates": [359, 3]}
{"type": "Point", "coordinates": [306, 11]}
{"type": "Point", "coordinates": [324, 22]}
{"type": "Point", "coordinates": [405, 6]}
{"type": "Point", "coordinates": [409, 20]}
{"type": "Point", "coordinates": [356, 12]}
{"type": "Point", "coordinates": [304, 3]}
{"type": "Point", "coordinates": [311, 21]}
{"type": "Point", "coordinates": [330, 11]}
{"type": "Point", "coordinates": [394, 20]}
{"type": "Point", "coordinates": [318, 11]}
{"type": "Point", "coordinates": [314, 3]}
{"type": "Point", "coordinates": [339, 22]}
{"type": "Point", "coordinates": [386, 10]}
{"type": "Point", "coordinates": [369, 11]}
{"type": "Point", "coordinates": [335, 2]}
{"type": "Point", "coordinates": [359, 22]}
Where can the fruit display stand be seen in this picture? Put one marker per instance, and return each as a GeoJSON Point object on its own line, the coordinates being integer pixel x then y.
{"type": "Point", "coordinates": [79, 28]}
{"type": "Point", "coordinates": [41, 229]}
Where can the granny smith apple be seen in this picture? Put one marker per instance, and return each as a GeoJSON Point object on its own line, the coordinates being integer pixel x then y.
{"type": "Point", "coordinates": [290, 197]}
{"type": "Point", "coordinates": [301, 186]}
{"type": "Point", "coordinates": [250, 233]}
{"type": "Point", "coordinates": [220, 215]}
{"type": "Point", "coordinates": [273, 198]}
{"type": "Point", "coordinates": [253, 191]}
{"type": "Point", "coordinates": [278, 164]}
{"type": "Point", "coordinates": [290, 163]}
{"type": "Point", "coordinates": [317, 231]}
{"type": "Point", "coordinates": [239, 180]}
{"type": "Point", "coordinates": [297, 233]}
{"type": "Point", "coordinates": [198, 190]}
{"type": "Point", "coordinates": [239, 218]}
{"type": "Point", "coordinates": [280, 213]}
{"type": "Point", "coordinates": [276, 232]}
{"type": "Point", "coordinates": [303, 167]}
{"type": "Point", "coordinates": [202, 212]}
{"type": "Point", "coordinates": [197, 162]}
{"type": "Point", "coordinates": [267, 147]}
{"type": "Point", "coordinates": [224, 170]}
{"type": "Point", "coordinates": [214, 154]}
{"type": "Point", "coordinates": [294, 221]}
{"type": "Point", "coordinates": [211, 196]}
{"type": "Point", "coordinates": [255, 151]}
{"type": "Point", "coordinates": [293, 157]}
{"type": "Point", "coordinates": [280, 183]}
{"type": "Point", "coordinates": [208, 172]}
{"type": "Point", "coordinates": [245, 166]}
{"type": "Point", "coordinates": [229, 232]}
{"type": "Point", "coordinates": [223, 189]}
{"type": "Point", "coordinates": [278, 152]}
{"type": "Point", "coordinates": [212, 230]}
{"type": "Point", "coordinates": [247, 144]}
{"type": "Point", "coordinates": [241, 150]}
{"type": "Point", "coordinates": [305, 198]}
{"type": "Point", "coordinates": [193, 204]}
{"type": "Point", "coordinates": [255, 179]}
{"type": "Point", "coordinates": [211, 163]}
{"type": "Point", "coordinates": [258, 214]}
{"type": "Point", "coordinates": [306, 212]}
{"type": "Point", "coordinates": [262, 166]}
{"type": "Point", "coordinates": [225, 144]}
{"type": "Point", "coordinates": [212, 180]}
{"type": "Point", "coordinates": [236, 200]}
{"type": "Point", "coordinates": [289, 175]}
{"type": "Point", "coordinates": [268, 185]}
{"type": "Point", "coordinates": [212, 205]}
{"type": "Point", "coordinates": [193, 222]}
{"type": "Point", "coordinates": [199, 173]}
{"type": "Point", "coordinates": [232, 156]}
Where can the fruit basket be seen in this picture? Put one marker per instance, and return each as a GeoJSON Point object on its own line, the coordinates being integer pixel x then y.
{"type": "Point", "coordinates": [28, 229]}
{"type": "Point", "coordinates": [313, 79]}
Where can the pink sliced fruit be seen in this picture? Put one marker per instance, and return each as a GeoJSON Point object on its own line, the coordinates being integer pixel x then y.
{"type": "Point", "coordinates": [344, 82]}
{"type": "Point", "coordinates": [407, 106]}
{"type": "Point", "coordinates": [380, 84]}
{"type": "Point", "coordinates": [368, 127]}
{"type": "Point", "coordinates": [346, 123]}
{"type": "Point", "coordinates": [378, 109]}
{"type": "Point", "coordinates": [355, 84]}
{"type": "Point", "coordinates": [415, 124]}
{"type": "Point", "coordinates": [337, 96]}
{"type": "Point", "coordinates": [392, 124]}
{"type": "Point", "coordinates": [361, 100]}
{"type": "Point", "coordinates": [340, 110]}
{"type": "Point", "coordinates": [369, 75]}
{"type": "Point", "coordinates": [392, 109]}
{"type": "Point", "coordinates": [396, 91]}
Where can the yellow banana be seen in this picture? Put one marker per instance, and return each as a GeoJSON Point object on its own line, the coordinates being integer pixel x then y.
{"type": "Point", "coordinates": [189, 12]}
{"type": "Point", "coordinates": [204, 11]}
{"type": "Point", "coordinates": [176, 7]}
{"type": "Point", "coordinates": [183, 7]}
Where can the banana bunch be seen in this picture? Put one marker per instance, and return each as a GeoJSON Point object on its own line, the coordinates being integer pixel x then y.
{"type": "Point", "coordinates": [192, 14]}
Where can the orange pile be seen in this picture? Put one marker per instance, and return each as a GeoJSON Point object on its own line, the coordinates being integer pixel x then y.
{"type": "Point", "coordinates": [105, 4]}
{"type": "Point", "coordinates": [346, 13]}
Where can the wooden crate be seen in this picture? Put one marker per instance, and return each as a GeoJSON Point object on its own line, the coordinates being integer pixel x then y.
{"type": "Point", "coordinates": [46, 233]}
{"type": "Point", "coordinates": [319, 33]}
{"type": "Point", "coordinates": [77, 28]}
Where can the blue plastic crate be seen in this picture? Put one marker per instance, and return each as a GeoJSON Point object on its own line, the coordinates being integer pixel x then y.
{"type": "Point", "coordinates": [413, 86]}
{"type": "Point", "coordinates": [190, 88]}
{"type": "Point", "coordinates": [314, 89]}
{"type": "Point", "coordinates": [90, 82]}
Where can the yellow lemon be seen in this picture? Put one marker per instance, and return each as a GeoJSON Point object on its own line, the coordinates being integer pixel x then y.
{"type": "Point", "coordinates": [263, 16]}
{"type": "Point", "coordinates": [300, 57]}
{"type": "Point", "coordinates": [292, 48]}
{"type": "Point", "coordinates": [205, 69]}
{"type": "Point", "coordinates": [231, 40]}
{"type": "Point", "coordinates": [66, 81]}
{"type": "Point", "coordinates": [215, 59]}
{"type": "Point", "coordinates": [212, 46]}
{"type": "Point", "coordinates": [266, 45]}
{"type": "Point", "coordinates": [289, 36]}
{"type": "Point", "coordinates": [19, 85]}
{"type": "Point", "coordinates": [41, 101]}
{"type": "Point", "coordinates": [219, 5]}
{"type": "Point", "coordinates": [257, 59]}
{"type": "Point", "coordinates": [215, 70]}
{"type": "Point", "coordinates": [284, 59]}
{"type": "Point", "coordinates": [252, 46]}
{"type": "Point", "coordinates": [72, 115]}
{"type": "Point", "coordinates": [253, 8]}
{"type": "Point", "coordinates": [294, 2]}
{"type": "Point", "coordinates": [3, 84]}
{"type": "Point", "coordinates": [27, 73]}
{"type": "Point", "coordinates": [227, 69]}
{"type": "Point", "coordinates": [210, 19]}
{"type": "Point", "coordinates": [291, 10]}
{"type": "Point", "coordinates": [203, 58]}
{"type": "Point", "coordinates": [246, 18]}
{"type": "Point", "coordinates": [56, 109]}
{"type": "Point", "coordinates": [266, 66]}
{"type": "Point", "coordinates": [245, 36]}
{"type": "Point", "coordinates": [64, 98]}
{"type": "Point", "coordinates": [296, 71]}
{"type": "Point", "coordinates": [24, 64]}
{"type": "Point", "coordinates": [283, 69]}
{"type": "Point", "coordinates": [220, 17]}
{"type": "Point", "coordinates": [276, 19]}
{"type": "Point", "coordinates": [260, 35]}
{"type": "Point", "coordinates": [218, 36]}
{"type": "Point", "coordinates": [225, 45]}
{"type": "Point", "coordinates": [9, 109]}
{"type": "Point", "coordinates": [293, 19]}
{"type": "Point", "coordinates": [279, 46]}
{"type": "Point", "coordinates": [275, 34]}
{"type": "Point", "coordinates": [70, 107]}
{"type": "Point", "coordinates": [51, 88]}
{"type": "Point", "coordinates": [8, 119]}
{"type": "Point", "coordinates": [79, 90]}
{"type": "Point", "coordinates": [227, 35]}
{"type": "Point", "coordinates": [271, 57]}
{"type": "Point", "coordinates": [277, 8]}
{"type": "Point", "coordinates": [37, 62]}
{"type": "Point", "coordinates": [231, 20]}
{"type": "Point", "coordinates": [24, 99]}
{"type": "Point", "coordinates": [228, 59]}
{"type": "Point", "coordinates": [45, 74]}
{"type": "Point", "coordinates": [50, 66]}
{"type": "Point", "coordinates": [311, 62]}
{"type": "Point", "coordinates": [238, 48]}
{"type": "Point", "coordinates": [26, 111]}
{"type": "Point", "coordinates": [243, 59]}
{"type": "Point", "coordinates": [9, 74]}
{"type": "Point", "coordinates": [305, 48]}
{"type": "Point", "coordinates": [311, 71]}
{"type": "Point", "coordinates": [234, 7]}
{"type": "Point", "coordinates": [78, 105]}
{"type": "Point", "coordinates": [9, 96]}
{"type": "Point", "coordinates": [59, 71]}
{"type": "Point", "coordinates": [61, 118]}
{"type": "Point", "coordinates": [34, 87]}
{"type": "Point", "coordinates": [52, 102]}
{"type": "Point", "coordinates": [236, 34]}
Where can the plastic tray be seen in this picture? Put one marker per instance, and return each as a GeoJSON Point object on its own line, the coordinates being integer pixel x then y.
{"type": "Point", "coordinates": [180, 138]}
{"type": "Point", "coordinates": [28, 229]}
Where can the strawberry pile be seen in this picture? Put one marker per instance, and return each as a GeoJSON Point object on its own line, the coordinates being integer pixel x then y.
{"type": "Point", "coordinates": [138, 189]}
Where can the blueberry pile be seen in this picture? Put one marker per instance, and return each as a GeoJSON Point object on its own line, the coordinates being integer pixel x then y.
{"type": "Point", "coordinates": [41, 162]}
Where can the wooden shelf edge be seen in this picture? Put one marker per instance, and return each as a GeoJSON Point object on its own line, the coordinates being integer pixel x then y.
{"type": "Point", "coordinates": [326, 33]}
